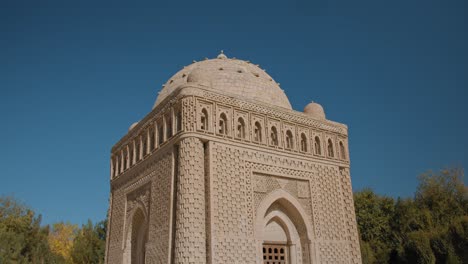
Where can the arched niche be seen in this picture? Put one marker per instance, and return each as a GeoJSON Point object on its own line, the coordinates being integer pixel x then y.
{"type": "Point", "coordinates": [282, 223]}
{"type": "Point", "coordinates": [136, 236]}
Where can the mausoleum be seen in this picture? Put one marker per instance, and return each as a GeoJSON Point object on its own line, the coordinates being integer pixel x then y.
{"type": "Point", "coordinates": [223, 170]}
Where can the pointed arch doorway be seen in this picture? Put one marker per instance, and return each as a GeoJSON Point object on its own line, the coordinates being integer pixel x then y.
{"type": "Point", "coordinates": [276, 244]}
{"type": "Point", "coordinates": [282, 231]}
{"type": "Point", "coordinates": [137, 236]}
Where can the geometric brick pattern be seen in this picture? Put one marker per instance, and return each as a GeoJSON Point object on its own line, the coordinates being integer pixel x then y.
{"type": "Point", "coordinates": [330, 205]}
{"type": "Point", "coordinates": [334, 253]}
{"type": "Point", "coordinates": [201, 190]}
{"type": "Point", "coordinates": [350, 218]}
{"type": "Point", "coordinates": [232, 226]}
{"type": "Point", "coordinates": [158, 249]}
{"type": "Point", "coordinates": [190, 219]}
{"type": "Point", "coordinates": [115, 238]}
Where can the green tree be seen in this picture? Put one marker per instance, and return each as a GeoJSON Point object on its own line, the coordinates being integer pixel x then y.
{"type": "Point", "coordinates": [442, 247]}
{"type": "Point", "coordinates": [444, 194]}
{"type": "Point", "coordinates": [407, 218]}
{"type": "Point", "coordinates": [432, 227]}
{"type": "Point", "coordinates": [374, 215]}
{"type": "Point", "coordinates": [89, 244]}
{"type": "Point", "coordinates": [418, 248]}
{"type": "Point", "coordinates": [22, 239]}
{"type": "Point", "coordinates": [458, 235]}
{"type": "Point", "coordinates": [367, 254]}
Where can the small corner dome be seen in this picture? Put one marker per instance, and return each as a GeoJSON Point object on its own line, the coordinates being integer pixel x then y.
{"type": "Point", "coordinates": [315, 110]}
{"type": "Point", "coordinates": [133, 125]}
{"type": "Point", "coordinates": [232, 76]}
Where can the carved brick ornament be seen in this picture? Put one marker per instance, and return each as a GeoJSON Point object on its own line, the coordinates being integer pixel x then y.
{"type": "Point", "coordinates": [223, 170]}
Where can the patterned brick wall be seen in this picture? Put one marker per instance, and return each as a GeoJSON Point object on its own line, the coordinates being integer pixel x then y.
{"type": "Point", "coordinates": [158, 247]}
{"type": "Point", "coordinates": [188, 114]}
{"type": "Point", "coordinates": [350, 216]}
{"type": "Point", "coordinates": [334, 253]}
{"type": "Point", "coordinates": [324, 192]}
{"type": "Point", "coordinates": [116, 227]}
{"type": "Point", "coordinates": [330, 206]}
{"type": "Point", "coordinates": [150, 184]}
{"type": "Point", "coordinates": [190, 217]}
{"type": "Point", "coordinates": [232, 225]}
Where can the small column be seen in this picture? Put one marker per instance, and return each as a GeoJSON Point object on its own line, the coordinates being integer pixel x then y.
{"type": "Point", "coordinates": [155, 135]}
{"type": "Point", "coordinates": [112, 167]}
{"type": "Point", "coordinates": [134, 156]}
{"type": "Point", "coordinates": [190, 229]}
{"type": "Point", "coordinates": [163, 129]}
{"type": "Point", "coordinates": [122, 157]}
{"type": "Point", "coordinates": [140, 154]}
{"type": "Point", "coordinates": [292, 252]}
{"type": "Point", "coordinates": [127, 157]}
{"type": "Point", "coordinates": [148, 141]}
{"type": "Point", "coordinates": [116, 166]}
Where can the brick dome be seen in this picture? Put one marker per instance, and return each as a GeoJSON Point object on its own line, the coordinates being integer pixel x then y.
{"type": "Point", "coordinates": [233, 76]}
{"type": "Point", "coordinates": [315, 110]}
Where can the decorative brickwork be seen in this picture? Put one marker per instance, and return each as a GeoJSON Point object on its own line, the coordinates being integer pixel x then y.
{"type": "Point", "coordinates": [213, 176]}
{"type": "Point", "coordinates": [231, 207]}
{"type": "Point", "coordinates": [115, 241]}
{"type": "Point", "coordinates": [350, 218]}
{"type": "Point", "coordinates": [190, 234]}
{"type": "Point", "coordinates": [158, 248]}
{"type": "Point", "coordinates": [188, 109]}
{"type": "Point", "coordinates": [334, 253]}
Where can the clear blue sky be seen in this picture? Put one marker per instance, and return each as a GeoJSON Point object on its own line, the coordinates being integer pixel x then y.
{"type": "Point", "coordinates": [75, 75]}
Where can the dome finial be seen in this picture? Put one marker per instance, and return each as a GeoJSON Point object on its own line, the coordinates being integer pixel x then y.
{"type": "Point", "coordinates": [222, 55]}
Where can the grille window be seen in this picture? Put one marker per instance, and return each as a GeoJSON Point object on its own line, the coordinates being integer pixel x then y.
{"type": "Point", "coordinates": [274, 254]}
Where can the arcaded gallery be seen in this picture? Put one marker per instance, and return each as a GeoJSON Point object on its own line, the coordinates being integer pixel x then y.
{"type": "Point", "coordinates": [223, 170]}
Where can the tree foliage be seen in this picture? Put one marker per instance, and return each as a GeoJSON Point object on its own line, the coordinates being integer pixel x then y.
{"type": "Point", "coordinates": [430, 228]}
{"type": "Point", "coordinates": [61, 239]}
{"type": "Point", "coordinates": [89, 244]}
{"type": "Point", "coordinates": [23, 239]}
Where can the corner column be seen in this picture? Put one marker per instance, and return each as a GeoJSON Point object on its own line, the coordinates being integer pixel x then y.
{"type": "Point", "coordinates": [190, 232]}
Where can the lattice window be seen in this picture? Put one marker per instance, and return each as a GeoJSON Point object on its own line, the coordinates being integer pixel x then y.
{"type": "Point", "coordinates": [274, 254]}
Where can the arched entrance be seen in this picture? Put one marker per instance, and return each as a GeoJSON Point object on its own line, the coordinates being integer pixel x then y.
{"type": "Point", "coordinates": [137, 236]}
{"type": "Point", "coordinates": [282, 230]}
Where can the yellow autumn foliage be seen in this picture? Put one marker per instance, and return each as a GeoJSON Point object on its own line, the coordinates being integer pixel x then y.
{"type": "Point", "coordinates": [61, 239]}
